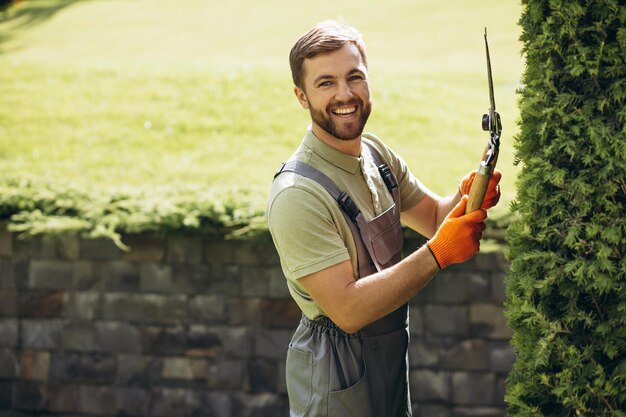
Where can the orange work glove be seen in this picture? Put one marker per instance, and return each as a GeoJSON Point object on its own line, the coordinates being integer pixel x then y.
{"type": "Point", "coordinates": [492, 196]}
{"type": "Point", "coordinates": [458, 236]}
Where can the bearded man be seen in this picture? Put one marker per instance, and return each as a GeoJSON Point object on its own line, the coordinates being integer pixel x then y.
{"type": "Point", "coordinates": [335, 212]}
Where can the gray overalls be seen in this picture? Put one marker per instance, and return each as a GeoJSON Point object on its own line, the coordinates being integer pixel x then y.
{"type": "Point", "coordinates": [331, 373]}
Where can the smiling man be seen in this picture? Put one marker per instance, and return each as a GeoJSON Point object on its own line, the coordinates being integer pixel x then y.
{"type": "Point", "coordinates": [337, 113]}
{"type": "Point", "coordinates": [335, 212]}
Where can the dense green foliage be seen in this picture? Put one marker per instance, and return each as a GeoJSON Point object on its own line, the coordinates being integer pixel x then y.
{"type": "Point", "coordinates": [49, 208]}
{"type": "Point", "coordinates": [566, 297]}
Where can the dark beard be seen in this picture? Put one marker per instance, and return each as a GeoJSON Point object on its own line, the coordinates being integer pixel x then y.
{"type": "Point", "coordinates": [352, 131]}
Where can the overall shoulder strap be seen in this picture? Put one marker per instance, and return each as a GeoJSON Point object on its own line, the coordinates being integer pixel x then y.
{"type": "Point", "coordinates": [306, 170]}
{"type": "Point", "coordinates": [350, 211]}
{"type": "Point", "coordinates": [385, 172]}
{"type": "Point", "coordinates": [341, 197]}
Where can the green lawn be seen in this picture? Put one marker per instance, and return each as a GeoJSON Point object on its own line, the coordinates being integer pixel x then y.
{"type": "Point", "coordinates": [155, 96]}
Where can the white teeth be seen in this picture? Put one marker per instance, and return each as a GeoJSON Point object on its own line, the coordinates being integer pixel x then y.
{"type": "Point", "coordinates": [345, 110]}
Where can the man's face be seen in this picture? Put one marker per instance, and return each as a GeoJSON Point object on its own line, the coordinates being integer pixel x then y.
{"type": "Point", "coordinates": [336, 92]}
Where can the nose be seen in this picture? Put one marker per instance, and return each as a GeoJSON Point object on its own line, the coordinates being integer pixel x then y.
{"type": "Point", "coordinates": [344, 92]}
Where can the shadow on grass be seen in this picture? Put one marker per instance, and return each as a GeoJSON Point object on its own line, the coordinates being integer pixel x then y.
{"type": "Point", "coordinates": [28, 13]}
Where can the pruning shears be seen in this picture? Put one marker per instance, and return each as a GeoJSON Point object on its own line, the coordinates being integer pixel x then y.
{"type": "Point", "coordinates": [491, 123]}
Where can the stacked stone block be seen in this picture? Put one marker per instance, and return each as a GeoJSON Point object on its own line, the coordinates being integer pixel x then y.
{"type": "Point", "coordinates": [198, 326]}
{"type": "Point", "coordinates": [459, 351]}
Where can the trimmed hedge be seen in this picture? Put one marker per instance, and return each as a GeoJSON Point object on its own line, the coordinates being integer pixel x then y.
{"type": "Point", "coordinates": [566, 295]}
{"type": "Point", "coordinates": [34, 207]}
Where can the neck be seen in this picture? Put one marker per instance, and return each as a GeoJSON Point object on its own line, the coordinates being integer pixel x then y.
{"type": "Point", "coordinates": [350, 147]}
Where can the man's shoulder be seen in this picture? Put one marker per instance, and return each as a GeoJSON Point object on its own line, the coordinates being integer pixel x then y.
{"type": "Point", "coordinates": [377, 145]}
{"type": "Point", "coordinates": [294, 190]}
{"type": "Point", "coordinates": [298, 183]}
{"type": "Point", "coordinates": [373, 140]}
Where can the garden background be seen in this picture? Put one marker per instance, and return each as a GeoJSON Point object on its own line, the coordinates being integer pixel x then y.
{"type": "Point", "coordinates": [123, 118]}
{"type": "Point", "coordinates": [130, 116]}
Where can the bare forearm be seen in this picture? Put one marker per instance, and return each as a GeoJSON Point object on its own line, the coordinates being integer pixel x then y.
{"type": "Point", "coordinates": [373, 297]}
{"type": "Point", "coordinates": [426, 217]}
{"type": "Point", "coordinates": [353, 304]}
{"type": "Point", "coordinates": [444, 206]}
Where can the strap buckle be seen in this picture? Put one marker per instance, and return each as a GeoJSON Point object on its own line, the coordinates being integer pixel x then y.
{"type": "Point", "coordinates": [348, 206]}
{"type": "Point", "coordinates": [388, 177]}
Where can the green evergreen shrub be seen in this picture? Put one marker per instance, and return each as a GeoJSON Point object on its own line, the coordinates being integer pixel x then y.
{"type": "Point", "coordinates": [566, 296]}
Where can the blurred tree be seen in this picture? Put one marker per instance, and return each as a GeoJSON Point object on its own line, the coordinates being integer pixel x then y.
{"type": "Point", "coordinates": [5, 4]}
{"type": "Point", "coordinates": [566, 289]}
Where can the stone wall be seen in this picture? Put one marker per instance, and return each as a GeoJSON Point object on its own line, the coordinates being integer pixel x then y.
{"type": "Point", "coordinates": [193, 326]}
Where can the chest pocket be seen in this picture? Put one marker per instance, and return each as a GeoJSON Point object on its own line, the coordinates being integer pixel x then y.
{"type": "Point", "coordinates": [388, 244]}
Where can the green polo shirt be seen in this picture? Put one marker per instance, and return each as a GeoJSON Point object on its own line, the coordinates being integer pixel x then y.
{"type": "Point", "coordinates": [307, 226]}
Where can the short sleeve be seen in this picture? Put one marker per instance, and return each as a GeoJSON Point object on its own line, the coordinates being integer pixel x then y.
{"type": "Point", "coordinates": [304, 231]}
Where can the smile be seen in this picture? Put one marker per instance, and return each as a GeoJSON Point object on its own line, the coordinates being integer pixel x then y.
{"type": "Point", "coordinates": [344, 111]}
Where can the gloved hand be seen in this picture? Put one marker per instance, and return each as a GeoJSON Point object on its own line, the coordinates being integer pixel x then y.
{"type": "Point", "coordinates": [458, 236]}
{"type": "Point", "coordinates": [492, 196]}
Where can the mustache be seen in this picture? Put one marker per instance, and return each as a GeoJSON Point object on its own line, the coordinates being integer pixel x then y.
{"type": "Point", "coordinates": [354, 102]}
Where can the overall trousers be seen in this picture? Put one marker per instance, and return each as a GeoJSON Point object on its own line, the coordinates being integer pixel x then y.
{"type": "Point", "coordinates": [331, 373]}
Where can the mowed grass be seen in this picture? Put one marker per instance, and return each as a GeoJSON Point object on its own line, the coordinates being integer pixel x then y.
{"type": "Point", "coordinates": [153, 95]}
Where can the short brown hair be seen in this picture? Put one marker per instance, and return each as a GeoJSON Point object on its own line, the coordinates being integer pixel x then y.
{"type": "Point", "coordinates": [326, 36]}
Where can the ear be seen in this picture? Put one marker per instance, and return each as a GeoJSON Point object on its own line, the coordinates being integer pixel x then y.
{"type": "Point", "coordinates": [301, 96]}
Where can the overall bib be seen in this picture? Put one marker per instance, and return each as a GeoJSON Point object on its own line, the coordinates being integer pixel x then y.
{"type": "Point", "coordinates": [331, 373]}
